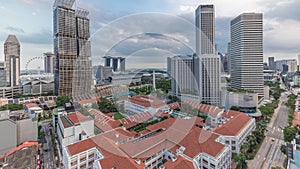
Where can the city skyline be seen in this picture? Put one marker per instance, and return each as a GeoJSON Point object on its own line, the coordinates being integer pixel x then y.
{"type": "Point", "coordinates": [36, 37]}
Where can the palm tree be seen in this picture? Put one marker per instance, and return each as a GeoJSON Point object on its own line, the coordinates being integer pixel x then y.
{"type": "Point", "coordinates": [245, 147]}
{"type": "Point", "coordinates": [241, 160]}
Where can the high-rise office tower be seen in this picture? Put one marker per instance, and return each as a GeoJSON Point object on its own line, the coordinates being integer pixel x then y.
{"type": "Point", "coordinates": [49, 62]}
{"type": "Point", "coordinates": [184, 71]}
{"type": "Point", "coordinates": [72, 48]}
{"type": "Point", "coordinates": [210, 76]}
{"type": "Point", "coordinates": [122, 64]}
{"type": "Point", "coordinates": [12, 50]}
{"type": "Point", "coordinates": [3, 82]}
{"type": "Point", "coordinates": [107, 61]}
{"type": "Point", "coordinates": [115, 64]}
{"type": "Point", "coordinates": [247, 52]}
{"type": "Point", "coordinates": [272, 64]}
{"type": "Point", "coordinates": [298, 62]}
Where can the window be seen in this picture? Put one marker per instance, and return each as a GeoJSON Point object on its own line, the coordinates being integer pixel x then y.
{"type": "Point", "coordinates": [226, 142]}
{"type": "Point", "coordinates": [233, 148]}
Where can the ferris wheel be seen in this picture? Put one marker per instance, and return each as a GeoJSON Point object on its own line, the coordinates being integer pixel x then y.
{"type": "Point", "coordinates": [33, 59]}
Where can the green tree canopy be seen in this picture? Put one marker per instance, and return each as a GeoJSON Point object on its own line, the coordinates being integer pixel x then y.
{"type": "Point", "coordinates": [289, 133]}
{"type": "Point", "coordinates": [61, 100]}
{"type": "Point", "coordinates": [12, 107]}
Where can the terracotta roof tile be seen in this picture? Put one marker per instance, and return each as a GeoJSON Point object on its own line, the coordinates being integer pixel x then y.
{"type": "Point", "coordinates": [296, 120]}
{"type": "Point", "coordinates": [235, 123]}
{"type": "Point", "coordinates": [81, 146]}
{"type": "Point", "coordinates": [211, 110]}
{"type": "Point", "coordinates": [93, 100]}
{"type": "Point", "coordinates": [23, 145]}
{"type": "Point", "coordinates": [180, 163]}
{"type": "Point", "coordinates": [77, 118]}
{"type": "Point", "coordinates": [198, 140]}
{"type": "Point", "coordinates": [147, 101]}
{"type": "Point", "coordinates": [31, 105]}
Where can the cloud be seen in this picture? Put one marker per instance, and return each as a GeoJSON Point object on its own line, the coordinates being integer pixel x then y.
{"type": "Point", "coordinates": [44, 36]}
{"type": "Point", "coordinates": [12, 29]}
{"type": "Point", "coordinates": [133, 33]}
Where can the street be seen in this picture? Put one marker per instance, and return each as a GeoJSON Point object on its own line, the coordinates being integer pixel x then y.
{"type": "Point", "coordinates": [269, 154]}
{"type": "Point", "coordinates": [48, 153]}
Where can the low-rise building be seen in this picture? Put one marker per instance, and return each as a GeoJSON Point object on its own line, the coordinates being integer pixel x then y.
{"type": "Point", "coordinates": [293, 153]}
{"type": "Point", "coordinates": [234, 129]}
{"type": "Point", "coordinates": [33, 110]}
{"type": "Point", "coordinates": [181, 144]}
{"type": "Point", "coordinates": [10, 92]}
{"type": "Point", "coordinates": [16, 132]}
{"type": "Point", "coordinates": [145, 103]}
{"type": "Point", "coordinates": [23, 156]}
{"type": "Point", "coordinates": [212, 112]}
{"type": "Point", "coordinates": [74, 127]}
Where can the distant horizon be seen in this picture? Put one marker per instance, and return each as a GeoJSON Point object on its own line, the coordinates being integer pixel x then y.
{"type": "Point", "coordinates": [35, 31]}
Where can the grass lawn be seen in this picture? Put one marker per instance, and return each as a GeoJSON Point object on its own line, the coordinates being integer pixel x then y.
{"type": "Point", "coordinates": [118, 116]}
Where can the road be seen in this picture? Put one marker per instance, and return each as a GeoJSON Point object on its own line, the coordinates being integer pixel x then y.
{"type": "Point", "coordinates": [48, 155]}
{"type": "Point", "coordinates": [269, 153]}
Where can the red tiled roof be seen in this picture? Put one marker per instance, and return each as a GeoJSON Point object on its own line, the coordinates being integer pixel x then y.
{"type": "Point", "coordinates": [296, 120]}
{"type": "Point", "coordinates": [161, 114]}
{"type": "Point", "coordinates": [211, 110]}
{"type": "Point", "coordinates": [147, 101]}
{"type": "Point", "coordinates": [102, 121]}
{"type": "Point", "coordinates": [135, 119]}
{"type": "Point", "coordinates": [174, 105]}
{"type": "Point", "coordinates": [31, 105]}
{"type": "Point", "coordinates": [23, 145]}
{"type": "Point", "coordinates": [119, 162]}
{"type": "Point", "coordinates": [198, 140]}
{"type": "Point", "coordinates": [235, 123]}
{"type": "Point", "coordinates": [93, 100]}
{"type": "Point", "coordinates": [180, 163]}
{"type": "Point", "coordinates": [163, 124]}
{"type": "Point", "coordinates": [77, 118]}
{"type": "Point", "coordinates": [81, 146]}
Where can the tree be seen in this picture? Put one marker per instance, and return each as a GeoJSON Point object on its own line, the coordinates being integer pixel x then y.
{"type": "Point", "coordinates": [173, 99]}
{"type": "Point", "coordinates": [241, 160]}
{"type": "Point", "coordinates": [289, 133]}
{"type": "Point", "coordinates": [12, 107]}
{"type": "Point", "coordinates": [234, 108]}
{"type": "Point", "coordinates": [283, 149]}
{"type": "Point", "coordinates": [61, 100]}
{"type": "Point", "coordinates": [245, 147]}
{"type": "Point", "coordinates": [106, 106]}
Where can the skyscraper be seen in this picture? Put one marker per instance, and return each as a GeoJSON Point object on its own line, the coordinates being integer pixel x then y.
{"type": "Point", "coordinates": [3, 82]}
{"type": "Point", "coordinates": [49, 61]}
{"type": "Point", "coordinates": [12, 51]}
{"type": "Point", "coordinates": [72, 48]}
{"type": "Point", "coordinates": [247, 52]}
{"type": "Point", "coordinates": [210, 67]}
{"type": "Point", "coordinates": [184, 71]}
{"type": "Point", "coordinates": [272, 64]}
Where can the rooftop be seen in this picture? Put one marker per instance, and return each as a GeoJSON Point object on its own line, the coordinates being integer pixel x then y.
{"type": "Point", "coordinates": [236, 121]}
{"type": "Point", "coordinates": [147, 101]}
{"type": "Point", "coordinates": [77, 118]}
{"type": "Point", "coordinates": [296, 120]}
{"type": "Point", "coordinates": [32, 105]}
{"type": "Point", "coordinates": [180, 163]}
{"type": "Point", "coordinates": [211, 110]}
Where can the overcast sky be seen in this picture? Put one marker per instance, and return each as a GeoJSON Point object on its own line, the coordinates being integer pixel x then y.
{"type": "Point", "coordinates": [148, 31]}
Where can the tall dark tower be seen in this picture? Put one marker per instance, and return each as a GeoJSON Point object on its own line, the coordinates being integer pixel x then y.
{"type": "Point", "coordinates": [72, 48]}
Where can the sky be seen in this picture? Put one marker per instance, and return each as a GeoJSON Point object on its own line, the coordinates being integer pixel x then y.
{"type": "Point", "coordinates": [148, 31]}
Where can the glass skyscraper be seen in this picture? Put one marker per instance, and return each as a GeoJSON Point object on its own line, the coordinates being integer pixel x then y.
{"type": "Point", "coordinates": [72, 48]}
{"type": "Point", "coordinates": [210, 64]}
